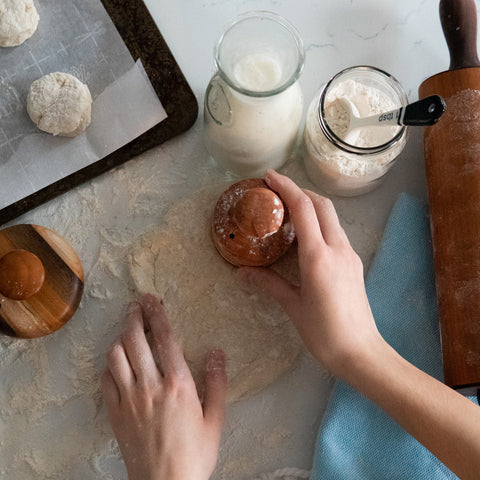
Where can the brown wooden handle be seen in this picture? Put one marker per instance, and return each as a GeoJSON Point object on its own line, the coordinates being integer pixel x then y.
{"type": "Point", "coordinates": [459, 23]}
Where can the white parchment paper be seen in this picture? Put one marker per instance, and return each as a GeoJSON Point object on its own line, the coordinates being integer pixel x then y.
{"type": "Point", "coordinates": [76, 37]}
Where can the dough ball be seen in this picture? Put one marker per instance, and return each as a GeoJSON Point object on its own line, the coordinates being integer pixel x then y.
{"type": "Point", "coordinates": [60, 104]}
{"type": "Point", "coordinates": [207, 303]}
{"type": "Point", "coordinates": [18, 21]}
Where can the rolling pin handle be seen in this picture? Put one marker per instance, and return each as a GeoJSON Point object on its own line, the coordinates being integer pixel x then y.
{"type": "Point", "coordinates": [459, 24]}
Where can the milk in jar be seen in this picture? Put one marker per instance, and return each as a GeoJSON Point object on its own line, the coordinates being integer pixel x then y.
{"type": "Point", "coordinates": [253, 103]}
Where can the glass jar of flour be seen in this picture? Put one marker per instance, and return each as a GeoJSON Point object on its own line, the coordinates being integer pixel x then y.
{"type": "Point", "coordinates": [253, 103]}
{"type": "Point", "coordinates": [348, 164]}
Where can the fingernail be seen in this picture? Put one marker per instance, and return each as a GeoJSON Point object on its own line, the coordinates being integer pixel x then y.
{"type": "Point", "coordinates": [150, 302]}
{"type": "Point", "coordinates": [216, 360]}
{"type": "Point", "coordinates": [268, 174]}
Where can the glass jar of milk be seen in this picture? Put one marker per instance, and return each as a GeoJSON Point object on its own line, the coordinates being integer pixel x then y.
{"type": "Point", "coordinates": [353, 164]}
{"type": "Point", "coordinates": [253, 103]}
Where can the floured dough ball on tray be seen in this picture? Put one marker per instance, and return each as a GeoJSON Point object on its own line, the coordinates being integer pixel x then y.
{"type": "Point", "coordinates": [18, 21]}
{"type": "Point", "coordinates": [207, 303]}
{"type": "Point", "coordinates": [60, 104]}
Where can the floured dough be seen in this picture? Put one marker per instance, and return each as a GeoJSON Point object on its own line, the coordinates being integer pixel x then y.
{"type": "Point", "coordinates": [18, 21]}
{"type": "Point", "coordinates": [60, 104]}
{"type": "Point", "coordinates": [208, 305]}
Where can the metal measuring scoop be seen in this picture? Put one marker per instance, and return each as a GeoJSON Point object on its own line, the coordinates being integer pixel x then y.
{"type": "Point", "coordinates": [421, 113]}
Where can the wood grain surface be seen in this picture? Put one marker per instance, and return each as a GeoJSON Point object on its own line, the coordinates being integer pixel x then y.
{"type": "Point", "coordinates": [452, 164]}
{"type": "Point", "coordinates": [59, 297]}
{"type": "Point", "coordinates": [233, 232]}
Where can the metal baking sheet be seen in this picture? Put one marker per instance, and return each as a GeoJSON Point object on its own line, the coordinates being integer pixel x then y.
{"type": "Point", "coordinates": [136, 31]}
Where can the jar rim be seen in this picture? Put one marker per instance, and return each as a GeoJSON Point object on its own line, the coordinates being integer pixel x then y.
{"type": "Point", "coordinates": [339, 142]}
{"type": "Point", "coordinates": [293, 32]}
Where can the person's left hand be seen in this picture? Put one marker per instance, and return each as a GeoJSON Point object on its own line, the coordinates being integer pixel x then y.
{"type": "Point", "coordinates": [163, 429]}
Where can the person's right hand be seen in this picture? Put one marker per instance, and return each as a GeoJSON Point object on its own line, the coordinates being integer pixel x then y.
{"type": "Point", "coordinates": [329, 308]}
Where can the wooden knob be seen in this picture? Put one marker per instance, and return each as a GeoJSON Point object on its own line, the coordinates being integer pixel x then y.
{"type": "Point", "coordinates": [50, 275]}
{"type": "Point", "coordinates": [251, 226]}
{"type": "Point", "coordinates": [259, 212]}
{"type": "Point", "coordinates": [21, 275]}
{"type": "Point", "coordinates": [459, 24]}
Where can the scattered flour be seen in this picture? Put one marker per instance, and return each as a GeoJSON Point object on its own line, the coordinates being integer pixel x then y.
{"type": "Point", "coordinates": [53, 424]}
{"type": "Point", "coordinates": [463, 120]}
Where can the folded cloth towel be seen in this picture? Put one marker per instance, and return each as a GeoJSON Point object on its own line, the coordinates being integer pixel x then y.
{"type": "Point", "coordinates": [357, 440]}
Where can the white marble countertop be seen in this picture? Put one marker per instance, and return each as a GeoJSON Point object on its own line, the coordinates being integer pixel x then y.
{"type": "Point", "coordinates": [66, 434]}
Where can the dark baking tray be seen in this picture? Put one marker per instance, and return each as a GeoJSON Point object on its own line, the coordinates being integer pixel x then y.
{"type": "Point", "coordinates": [143, 39]}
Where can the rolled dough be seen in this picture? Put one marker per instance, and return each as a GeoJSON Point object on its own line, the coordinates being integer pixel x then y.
{"type": "Point", "coordinates": [208, 305]}
{"type": "Point", "coordinates": [18, 21]}
{"type": "Point", "coordinates": [60, 104]}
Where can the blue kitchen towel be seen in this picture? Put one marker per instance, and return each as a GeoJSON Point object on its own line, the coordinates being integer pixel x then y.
{"type": "Point", "coordinates": [357, 440]}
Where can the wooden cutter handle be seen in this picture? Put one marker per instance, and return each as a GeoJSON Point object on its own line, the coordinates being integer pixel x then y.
{"type": "Point", "coordinates": [459, 23]}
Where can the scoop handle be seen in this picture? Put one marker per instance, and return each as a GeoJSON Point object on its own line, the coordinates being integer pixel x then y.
{"type": "Point", "coordinates": [420, 113]}
{"type": "Point", "coordinates": [423, 112]}
{"type": "Point", "coordinates": [459, 24]}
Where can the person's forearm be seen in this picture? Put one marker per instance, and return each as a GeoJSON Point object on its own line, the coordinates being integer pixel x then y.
{"type": "Point", "coordinates": [331, 312]}
{"type": "Point", "coordinates": [442, 420]}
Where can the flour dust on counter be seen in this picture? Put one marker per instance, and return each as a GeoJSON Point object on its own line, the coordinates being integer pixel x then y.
{"type": "Point", "coordinates": [53, 423]}
{"type": "Point", "coordinates": [35, 408]}
{"type": "Point", "coordinates": [208, 304]}
{"type": "Point", "coordinates": [52, 420]}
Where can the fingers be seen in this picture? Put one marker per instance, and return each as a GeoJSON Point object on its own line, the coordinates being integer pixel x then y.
{"type": "Point", "coordinates": [215, 390]}
{"type": "Point", "coordinates": [314, 217]}
{"type": "Point", "coordinates": [301, 210]}
{"type": "Point", "coordinates": [168, 349]}
{"type": "Point", "coordinates": [271, 283]}
{"type": "Point", "coordinates": [120, 369]}
{"type": "Point", "coordinates": [109, 388]}
{"type": "Point", "coordinates": [327, 217]}
{"type": "Point", "coordinates": [136, 347]}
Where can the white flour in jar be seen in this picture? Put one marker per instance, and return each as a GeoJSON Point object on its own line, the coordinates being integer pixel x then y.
{"type": "Point", "coordinates": [251, 133]}
{"type": "Point", "coordinates": [334, 170]}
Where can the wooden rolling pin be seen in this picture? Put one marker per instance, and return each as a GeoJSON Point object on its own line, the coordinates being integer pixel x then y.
{"type": "Point", "coordinates": [452, 163]}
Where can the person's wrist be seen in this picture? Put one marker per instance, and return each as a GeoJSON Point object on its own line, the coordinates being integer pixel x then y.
{"type": "Point", "coordinates": [354, 361]}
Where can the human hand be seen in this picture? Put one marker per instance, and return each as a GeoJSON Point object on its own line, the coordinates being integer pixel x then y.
{"type": "Point", "coordinates": [331, 312]}
{"type": "Point", "coordinates": [329, 308]}
{"type": "Point", "coordinates": [162, 428]}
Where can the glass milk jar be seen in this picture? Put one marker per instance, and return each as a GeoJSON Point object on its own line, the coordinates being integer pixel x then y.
{"type": "Point", "coordinates": [253, 103]}
{"type": "Point", "coordinates": [338, 162]}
